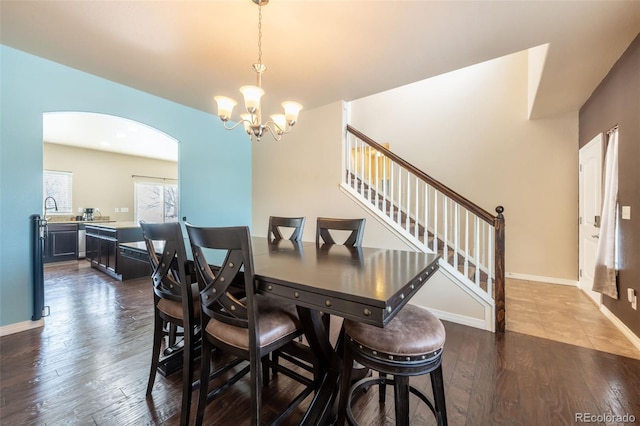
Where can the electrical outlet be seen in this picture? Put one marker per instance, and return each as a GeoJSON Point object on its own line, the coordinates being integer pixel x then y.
{"type": "Point", "coordinates": [117, 210]}
{"type": "Point", "coordinates": [626, 212]}
{"type": "Point", "coordinates": [634, 303]}
{"type": "Point", "coordinates": [630, 294]}
{"type": "Point", "coordinates": [80, 209]}
{"type": "Point", "coordinates": [124, 209]}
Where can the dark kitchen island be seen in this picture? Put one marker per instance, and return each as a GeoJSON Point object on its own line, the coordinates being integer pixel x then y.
{"type": "Point", "coordinates": [103, 248]}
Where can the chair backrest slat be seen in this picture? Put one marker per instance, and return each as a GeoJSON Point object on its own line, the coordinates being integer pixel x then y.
{"type": "Point", "coordinates": [325, 224]}
{"type": "Point", "coordinates": [277, 222]}
{"type": "Point", "coordinates": [167, 256]}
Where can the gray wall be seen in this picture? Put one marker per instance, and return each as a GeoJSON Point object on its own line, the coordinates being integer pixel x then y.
{"type": "Point", "coordinates": [617, 101]}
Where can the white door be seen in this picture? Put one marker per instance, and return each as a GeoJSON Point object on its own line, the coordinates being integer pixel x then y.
{"type": "Point", "coordinates": [590, 186]}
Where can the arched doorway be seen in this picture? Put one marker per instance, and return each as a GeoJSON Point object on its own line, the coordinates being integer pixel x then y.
{"type": "Point", "coordinates": [115, 167]}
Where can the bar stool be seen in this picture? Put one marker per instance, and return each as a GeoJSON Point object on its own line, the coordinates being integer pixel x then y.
{"type": "Point", "coordinates": [410, 345]}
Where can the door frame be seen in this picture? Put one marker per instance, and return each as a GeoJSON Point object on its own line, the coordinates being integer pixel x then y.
{"type": "Point", "coordinates": [584, 231]}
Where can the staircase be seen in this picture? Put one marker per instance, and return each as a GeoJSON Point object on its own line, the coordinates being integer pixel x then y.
{"type": "Point", "coordinates": [430, 217]}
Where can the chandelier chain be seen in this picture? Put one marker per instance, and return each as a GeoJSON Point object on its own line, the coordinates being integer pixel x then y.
{"type": "Point", "coordinates": [259, 33]}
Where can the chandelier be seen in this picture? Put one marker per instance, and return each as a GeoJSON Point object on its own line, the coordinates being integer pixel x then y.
{"type": "Point", "coordinates": [279, 124]}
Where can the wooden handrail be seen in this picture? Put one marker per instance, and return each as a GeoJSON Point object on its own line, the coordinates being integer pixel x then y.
{"type": "Point", "coordinates": [472, 207]}
{"type": "Point", "coordinates": [497, 222]}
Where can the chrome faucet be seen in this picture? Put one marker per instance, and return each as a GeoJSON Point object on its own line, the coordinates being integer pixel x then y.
{"type": "Point", "coordinates": [55, 204]}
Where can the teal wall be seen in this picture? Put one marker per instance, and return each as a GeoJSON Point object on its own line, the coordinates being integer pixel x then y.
{"type": "Point", "coordinates": [214, 164]}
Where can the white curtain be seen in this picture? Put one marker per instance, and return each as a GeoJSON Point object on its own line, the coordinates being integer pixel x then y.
{"type": "Point", "coordinates": [604, 280]}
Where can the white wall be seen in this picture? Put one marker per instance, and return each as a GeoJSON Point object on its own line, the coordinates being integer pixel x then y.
{"type": "Point", "coordinates": [104, 179]}
{"type": "Point", "coordinates": [300, 176]}
{"type": "Point", "coordinates": [469, 129]}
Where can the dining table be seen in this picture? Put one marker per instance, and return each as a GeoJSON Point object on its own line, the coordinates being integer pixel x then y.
{"type": "Point", "coordinates": [365, 284]}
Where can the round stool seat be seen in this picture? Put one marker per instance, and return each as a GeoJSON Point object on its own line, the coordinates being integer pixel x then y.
{"type": "Point", "coordinates": [411, 344]}
{"type": "Point", "coordinates": [412, 335]}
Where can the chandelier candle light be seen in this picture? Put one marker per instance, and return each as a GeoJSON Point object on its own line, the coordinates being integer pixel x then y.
{"type": "Point", "coordinates": [279, 124]}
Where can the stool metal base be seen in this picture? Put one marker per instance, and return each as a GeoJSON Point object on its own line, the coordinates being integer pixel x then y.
{"type": "Point", "coordinates": [362, 385]}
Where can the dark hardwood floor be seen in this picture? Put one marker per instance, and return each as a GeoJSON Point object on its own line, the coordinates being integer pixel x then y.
{"type": "Point", "coordinates": [89, 365]}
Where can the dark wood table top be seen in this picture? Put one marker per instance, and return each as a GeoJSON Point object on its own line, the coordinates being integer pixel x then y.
{"type": "Point", "coordinates": [365, 284]}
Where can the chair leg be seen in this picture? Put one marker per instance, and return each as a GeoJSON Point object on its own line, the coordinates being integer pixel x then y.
{"type": "Point", "coordinates": [275, 358]}
{"type": "Point", "coordinates": [382, 389]}
{"type": "Point", "coordinates": [187, 377]}
{"type": "Point", "coordinates": [256, 388]}
{"type": "Point", "coordinates": [205, 367]}
{"type": "Point", "coordinates": [173, 330]}
{"type": "Point", "coordinates": [345, 383]}
{"type": "Point", "coordinates": [265, 369]}
{"type": "Point", "coordinates": [158, 334]}
{"type": "Point", "coordinates": [437, 385]}
{"type": "Point", "coordinates": [401, 399]}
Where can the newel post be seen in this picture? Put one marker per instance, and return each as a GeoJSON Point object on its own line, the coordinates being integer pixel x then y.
{"type": "Point", "coordinates": [498, 224]}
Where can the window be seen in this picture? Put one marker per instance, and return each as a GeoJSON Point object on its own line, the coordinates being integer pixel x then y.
{"type": "Point", "coordinates": [156, 202]}
{"type": "Point", "coordinates": [57, 192]}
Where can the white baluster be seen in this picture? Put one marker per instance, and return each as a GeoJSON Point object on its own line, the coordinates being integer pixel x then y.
{"type": "Point", "coordinates": [377, 179]}
{"type": "Point", "coordinates": [392, 182]}
{"type": "Point", "coordinates": [476, 249]}
{"type": "Point", "coordinates": [445, 228]}
{"type": "Point", "coordinates": [407, 209]}
{"type": "Point", "coordinates": [416, 230]}
{"type": "Point", "coordinates": [398, 218]}
{"type": "Point", "coordinates": [385, 185]}
{"type": "Point", "coordinates": [435, 221]}
{"type": "Point", "coordinates": [426, 215]}
{"type": "Point", "coordinates": [466, 243]}
{"type": "Point", "coordinates": [456, 234]}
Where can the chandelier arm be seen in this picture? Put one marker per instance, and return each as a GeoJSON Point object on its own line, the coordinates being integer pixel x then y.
{"type": "Point", "coordinates": [281, 131]}
{"type": "Point", "coordinates": [274, 133]}
{"type": "Point", "coordinates": [224, 124]}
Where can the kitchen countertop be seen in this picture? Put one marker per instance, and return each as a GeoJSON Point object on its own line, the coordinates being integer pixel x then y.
{"type": "Point", "coordinates": [115, 225]}
{"type": "Point", "coordinates": [52, 222]}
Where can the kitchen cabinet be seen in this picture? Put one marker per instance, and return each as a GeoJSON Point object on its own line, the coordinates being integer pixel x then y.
{"type": "Point", "coordinates": [134, 260]}
{"type": "Point", "coordinates": [102, 241]}
{"type": "Point", "coordinates": [61, 242]}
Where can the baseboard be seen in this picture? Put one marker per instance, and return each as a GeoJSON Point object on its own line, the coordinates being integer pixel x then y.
{"type": "Point", "coordinates": [459, 319]}
{"type": "Point", "coordinates": [547, 280]}
{"type": "Point", "coordinates": [635, 340]}
{"type": "Point", "coordinates": [20, 326]}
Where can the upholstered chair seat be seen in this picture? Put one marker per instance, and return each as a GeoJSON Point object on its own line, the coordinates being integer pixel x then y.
{"type": "Point", "coordinates": [173, 308]}
{"type": "Point", "coordinates": [275, 321]}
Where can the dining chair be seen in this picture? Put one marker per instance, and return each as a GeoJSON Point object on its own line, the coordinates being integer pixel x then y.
{"type": "Point", "coordinates": [278, 222]}
{"type": "Point", "coordinates": [176, 301]}
{"type": "Point", "coordinates": [411, 344]}
{"type": "Point", "coordinates": [325, 225]}
{"type": "Point", "coordinates": [251, 327]}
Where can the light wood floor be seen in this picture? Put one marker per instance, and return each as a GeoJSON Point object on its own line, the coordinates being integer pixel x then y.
{"type": "Point", "coordinates": [564, 314]}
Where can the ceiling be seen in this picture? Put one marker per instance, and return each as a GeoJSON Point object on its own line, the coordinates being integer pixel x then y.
{"type": "Point", "coordinates": [320, 51]}
{"type": "Point", "coordinates": [105, 132]}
